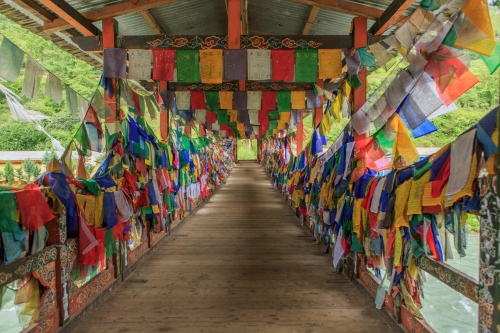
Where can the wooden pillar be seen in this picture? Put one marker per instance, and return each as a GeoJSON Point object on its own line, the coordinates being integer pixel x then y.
{"type": "Point", "coordinates": [109, 28]}
{"type": "Point", "coordinates": [300, 133]}
{"type": "Point", "coordinates": [164, 116]}
{"type": "Point", "coordinates": [233, 42]}
{"type": "Point", "coordinates": [318, 115]}
{"type": "Point", "coordinates": [360, 40]}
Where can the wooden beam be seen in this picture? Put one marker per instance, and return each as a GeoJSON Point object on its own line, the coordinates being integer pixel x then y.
{"type": "Point", "coordinates": [233, 24]}
{"type": "Point", "coordinates": [152, 21]}
{"type": "Point", "coordinates": [122, 8]}
{"type": "Point", "coordinates": [360, 40]}
{"type": "Point", "coordinates": [244, 17]}
{"type": "Point", "coordinates": [72, 16]}
{"type": "Point", "coordinates": [196, 42]}
{"type": "Point", "coordinates": [109, 28]}
{"type": "Point", "coordinates": [310, 20]}
{"type": "Point", "coordinates": [345, 7]}
{"type": "Point", "coordinates": [391, 15]}
{"type": "Point", "coordinates": [35, 9]}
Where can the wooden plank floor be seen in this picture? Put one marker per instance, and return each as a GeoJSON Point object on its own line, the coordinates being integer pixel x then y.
{"type": "Point", "coordinates": [242, 263]}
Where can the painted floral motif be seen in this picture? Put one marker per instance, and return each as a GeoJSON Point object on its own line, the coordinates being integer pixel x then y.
{"type": "Point", "coordinates": [458, 282]}
{"type": "Point", "coordinates": [28, 265]}
{"type": "Point", "coordinates": [489, 308]}
{"type": "Point", "coordinates": [210, 42]}
{"type": "Point", "coordinates": [259, 42]}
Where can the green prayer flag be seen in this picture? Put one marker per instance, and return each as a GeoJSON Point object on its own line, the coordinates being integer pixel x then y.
{"type": "Point", "coordinates": [273, 124]}
{"type": "Point", "coordinates": [11, 60]}
{"type": "Point", "coordinates": [109, 243]}
{"type": "Point", "coordinates": [212, 98]}
{"type": "Point", "coordinates": [82, 138]}
{"type": "Point", "coordinates": [367, 58]}
{"type": "Point", "coordinates": [306, 65]}
{"type": "Point", "coordinates": [354, 81]}
{"type": "Point", "coordinates": [284, 101]}
{"type": "Point", "coordinates": [493, 61]}
{"type": "Point", "coordinates": [451, 38]}
{"type": "Point", "coordinates": [222, 117]}
{"type": "Point", "coordinates": [8, 213]}
{"type": "Point", "coordinates": [274, 114]}
{"type": "Point", "coordinates": [188, 66]}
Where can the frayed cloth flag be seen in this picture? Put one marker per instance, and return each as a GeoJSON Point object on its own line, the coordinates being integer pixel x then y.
{"type": "Point", "coordinates": [32, 78]}
{"type": "Point", "coordinates": [235, 64]}
{"type": "Point", "coordinates": [11, 60]}
{"type": "Point", "coordinates": [53, 88]}
{"type": "Point", "coordinates": [211, 66]}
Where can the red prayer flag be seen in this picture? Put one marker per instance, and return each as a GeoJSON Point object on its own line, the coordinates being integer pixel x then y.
{"type": "Point", "coordinates": [211, 117]}
{"type": "Point", "coordinates": [33, 207]}
{"type": "Point", "coordinates": [136, 103]}
{"type": "Point", "coordinates": [197, 100]}
{"type": "Point", "coordinates": [269, 100]}
{"type": "Point", "coordinates": [163, 65]}
{"type": "Point", "coordinates": [283, 65]}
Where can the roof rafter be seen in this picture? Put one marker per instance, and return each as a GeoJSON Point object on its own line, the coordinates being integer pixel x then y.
{"type": "Point", "coordinates": [152, 22]}
{"type": "Point", "coordinates": [310, 20]}
{"type": "Point", "coordinates": [72, 16]}
{"type": "Point", "coordinates": [391, 15]}
{"type": "Point", "coordinates": [345, 7]}
{"type": "Point", "coordinates": [38, 11]}
{"type": "Point", "coordinates": [244, 17]}
{"type": "Point", "coordinates": [122, 8]}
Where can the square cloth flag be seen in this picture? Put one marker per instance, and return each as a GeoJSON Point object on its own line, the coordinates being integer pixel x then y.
{"type": "Point", "coordinates": [188, 67]}
{"type": "Point", "coordinates": [330, 64]}
{"type": "Point", "coordinates": [235, 64]}
{"type": "Point", "coordinates": [11, 60]}
{"type": "Point", "coordinates": [115, 63]}
{"type": "Point", "coordinates": [259, 64]}
{"type": "Point", "coordinates": [163, 65]}
{"type": "Point", "coordinates": [283, 65]}
{"type": "Point", "coordinates": [139, 67]}
{"type": "Point", "coordinates": [306, 65]}
{"type": "Point", "coordinates": [211, 66]}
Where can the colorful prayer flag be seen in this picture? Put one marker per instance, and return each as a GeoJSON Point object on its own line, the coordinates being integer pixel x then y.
{"type": "Point", "coordinates": [163, 65]}
{"type": "Point", "coordinates": [188, 66]}
{"type": "Point", "coordinates": [306, 65]}
{"type": "Point", "coordinates": [330, 63]}
{"type": "Point", "coordinates": [259, 64]}
{"type": "Point", "coordinates": [283, 65]}
{"type": "Point", "coordinates": [211, 66]}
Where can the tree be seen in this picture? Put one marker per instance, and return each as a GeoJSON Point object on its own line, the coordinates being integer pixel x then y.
{"type": "Point", "coordinates": [19, 173]}
{"type": "Point", "coordinates": [8, 173]}
{"type": "Point", "coordinates": [47, 156]}
{"type": "Point", "coordinates": [31, 169]}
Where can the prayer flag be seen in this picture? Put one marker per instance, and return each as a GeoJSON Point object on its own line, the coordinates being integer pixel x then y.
{"type": "Point", "coordinates": [306, 65]}
{"type": "Point", "coordinates": [283, 65]}
{"type": "Point", "coordinates": [211, 66]}
{"type": "Point", "coordinates": [188, 66]}
{"type": "Point", "coordinates": [163, 65]}
{"type": "Point", "coordinates": [330, 63]}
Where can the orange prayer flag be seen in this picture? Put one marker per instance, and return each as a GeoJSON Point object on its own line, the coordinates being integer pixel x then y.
{"type": "Point", "coordinates": [226, 99]}
{"type": "Point", "coordinates": [476, 33]}
{"type": "Point", "coordinates": [298, 100]}
{"type": "Point", "coordinates": [211, 66]}
{"type": "Point", "coordinates": [330, 63]}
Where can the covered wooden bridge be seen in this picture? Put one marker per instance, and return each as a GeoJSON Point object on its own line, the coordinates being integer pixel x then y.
{"type": "Point", "coordinates": [172, 233]}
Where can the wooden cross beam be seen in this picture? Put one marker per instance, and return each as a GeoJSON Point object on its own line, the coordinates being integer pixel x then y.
{"type": "Point", "coordinates": [391, 15]}
{"type": "Point", "coordinates": [152, 22]}
{"type": "Point", "coordinates": [199, 42]}
{"type": "Point", "coordinates": [310, 20]}
{"type": "Point", "coordinates": [72, 16]}
{"type": "Point", "coordinates": [122, 8]}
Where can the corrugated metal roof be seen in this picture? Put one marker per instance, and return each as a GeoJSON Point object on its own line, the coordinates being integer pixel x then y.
{"type": "Point", "coordinates": [192, 17]}
{"type": "Point", "coordinates": [277, 17]}
{"type": "Point", "coordinates": [21, 155]}
{"type": "Point", "coordinates": [131, 24]}
{"type": "Point", "coordinates": [205, 17]}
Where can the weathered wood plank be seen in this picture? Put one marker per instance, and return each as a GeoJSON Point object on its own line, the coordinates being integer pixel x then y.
{"type": "Point", "coordinates": [242, 263]}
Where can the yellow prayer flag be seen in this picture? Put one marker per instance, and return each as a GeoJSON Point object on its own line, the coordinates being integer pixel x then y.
{"type": "Point", "coordinates": [285, 117]}
{"type": "Point", "coordinates": [233, 115]}
{"type": "Point", "coordinates": [298, 100]}
{"type": "Point", "coordinates": [226, 99]}
{"type": "Point", "coordinates": [330, 63]}
{"type": "Point", "coordinates": [211, 66]}
{"type": "Point", "coordinates": [477, 32]}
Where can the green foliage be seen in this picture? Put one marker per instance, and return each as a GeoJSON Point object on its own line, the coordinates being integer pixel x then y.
{"type": "Point", "coordinates": [31, 170]}
{"type": "Point", "coordinates": [247, 150]}
{"type": "Point", "coordinates": [19, 173]}
{"type": "Point", "coordinates": [15, 135]}
{"type": "Point", "coordinates": [8, 173]}
{"type": "Point", "coordinates": [47, 156]}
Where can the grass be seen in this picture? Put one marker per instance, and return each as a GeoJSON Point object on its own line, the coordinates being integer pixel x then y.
{"type": "Point", "coordinates": [247, 150]}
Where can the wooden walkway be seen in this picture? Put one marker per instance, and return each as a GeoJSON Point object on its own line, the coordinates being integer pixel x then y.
{"type": "Point", "coordinates": [242, 263]}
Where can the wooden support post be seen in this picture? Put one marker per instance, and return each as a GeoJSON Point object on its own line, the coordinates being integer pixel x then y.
{"type": "Point", "coordinates": [360, 40]}
{"type": "Point", "coordinates": [233, 43]}
{"type": "Point", "coordinates": [300, 132]}
{"type": "Point", "coordinates": [318, 116]}
{"type": "Point", "coordinates": [164, 116]}
{"type": "Point", "coordinates": [109, 28]}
